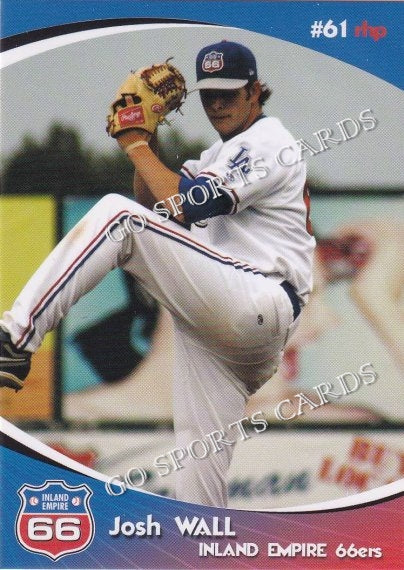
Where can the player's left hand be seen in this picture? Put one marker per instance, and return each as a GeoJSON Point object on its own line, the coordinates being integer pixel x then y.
{"type": "Point", "coordinates": [145, 99]}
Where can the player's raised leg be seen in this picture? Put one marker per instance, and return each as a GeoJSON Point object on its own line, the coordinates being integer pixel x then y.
{"type": "Point", "coordinates": [162, 256]}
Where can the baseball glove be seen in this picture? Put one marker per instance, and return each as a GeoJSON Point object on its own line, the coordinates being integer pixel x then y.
{"type": "Point", "coordinates": [145, 98]}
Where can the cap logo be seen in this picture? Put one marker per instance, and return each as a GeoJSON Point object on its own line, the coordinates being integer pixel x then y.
{"type": "Point", "coordinates": [213, 61]}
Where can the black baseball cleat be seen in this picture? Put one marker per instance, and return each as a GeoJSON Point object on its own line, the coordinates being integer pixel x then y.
{"type": "Point", "coordinates": [14, 363]}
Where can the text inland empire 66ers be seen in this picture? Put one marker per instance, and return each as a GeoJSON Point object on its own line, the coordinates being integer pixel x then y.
{"type": "Point", "coordinates": [222, 527]}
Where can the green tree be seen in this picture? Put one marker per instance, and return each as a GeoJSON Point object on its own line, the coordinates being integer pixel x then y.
{"type": "Point", "coordinates": [61, 165]}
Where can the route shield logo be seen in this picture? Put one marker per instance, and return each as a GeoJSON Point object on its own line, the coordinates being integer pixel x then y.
{"type": "Point", "coordinates": [55, 519]}
{"type": "Point", "coordinates": [213, 61]}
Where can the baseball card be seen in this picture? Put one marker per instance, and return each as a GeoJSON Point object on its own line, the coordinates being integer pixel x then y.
{"type": "Point", "coordinates": [201, 284]}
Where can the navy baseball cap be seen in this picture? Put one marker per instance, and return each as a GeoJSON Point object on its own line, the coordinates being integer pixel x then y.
{"type": "Point", "coordinates": [225, 65]}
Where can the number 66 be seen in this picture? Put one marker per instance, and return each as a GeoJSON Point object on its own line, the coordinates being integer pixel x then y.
{"type": "Point", "coordinates": [65, 529]}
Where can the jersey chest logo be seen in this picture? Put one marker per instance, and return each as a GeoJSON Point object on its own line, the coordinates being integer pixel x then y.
{"type": "Point", "coordinates": [241, 161]}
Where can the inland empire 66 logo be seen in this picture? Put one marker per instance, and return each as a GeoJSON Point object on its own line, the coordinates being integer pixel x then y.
{"type": "Point", "coordinates": [55, 519]}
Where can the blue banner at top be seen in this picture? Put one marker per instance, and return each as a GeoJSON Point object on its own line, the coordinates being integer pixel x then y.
{"type": "Point", "coordinates": [367, 35]}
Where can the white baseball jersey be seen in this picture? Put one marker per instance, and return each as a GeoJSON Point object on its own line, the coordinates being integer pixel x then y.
{"type": "Point", "coordinates": [231, 316]}
{"type": "Point", "coordinates": [270, 228]}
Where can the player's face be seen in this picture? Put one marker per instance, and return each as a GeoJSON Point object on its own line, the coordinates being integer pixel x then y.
{"type": "Point", "coordinates": [231, 111]}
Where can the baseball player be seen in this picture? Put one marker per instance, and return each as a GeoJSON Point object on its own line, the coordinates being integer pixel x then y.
{"type": "Point", "coordinates": [233, 264]}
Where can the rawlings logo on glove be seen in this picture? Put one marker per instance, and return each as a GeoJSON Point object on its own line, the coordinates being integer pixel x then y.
{"type": "Point", "coordinates": [145, 98]}
{"type": "Point", "coordinates": [131, 116]}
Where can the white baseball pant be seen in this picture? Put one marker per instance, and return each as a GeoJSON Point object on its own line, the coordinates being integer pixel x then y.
{"type": "Point", "coordinates": [231, 322]}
